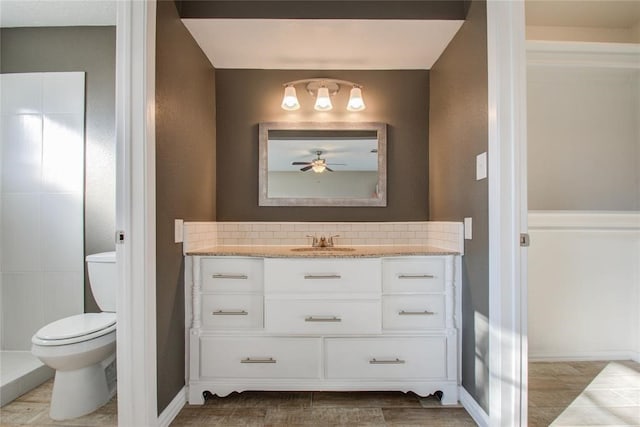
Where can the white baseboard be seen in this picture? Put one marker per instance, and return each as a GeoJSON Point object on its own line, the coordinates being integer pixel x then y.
{"type": "Point", "coordinates": [473, 408]}
{"type": "Point", "coordinates": [579, 357]}
{"type": "Point", "coordinates": [171, 411]}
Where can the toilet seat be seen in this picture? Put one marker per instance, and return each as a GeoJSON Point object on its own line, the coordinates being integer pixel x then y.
{"type": "Point", "coordinates": [74, 329]}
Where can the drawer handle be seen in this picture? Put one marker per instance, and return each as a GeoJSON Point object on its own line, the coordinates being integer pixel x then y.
{"type": "Point", "coordinates": [322, 319]}
{"type": "Point", "coordinates": [413, 313]}
{"type": "Point", "coordinates": [230, 276]}
{"type": "Point", "coordinates": [265, 360]}
{"type": "Point", "coordinates": [322, 276]}
{"type": "Point", "coordinates": [230, 313]}
{"type": "Point", "coordinates": [395, 361]}
{"type": "Point", "coordinates": [416, 276]}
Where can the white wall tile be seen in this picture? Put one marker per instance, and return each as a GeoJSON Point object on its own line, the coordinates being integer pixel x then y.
{"type": "Point", "coordinates": [63, 153]}
{"type": "Point", "coordinates": [62, 233]}
{"type": "Point", "coordinates": [63, 294]}
{"type": "Point", "coordinates": [20, 232]}
{"type": "Point", "coordinates": [22, 311]}
{"type": "Point", "coordinates": [21, 93]}
{"type": "Point", "coordinates": [63, 92]}
{"type": "Point", "coordinates": [21, 152]}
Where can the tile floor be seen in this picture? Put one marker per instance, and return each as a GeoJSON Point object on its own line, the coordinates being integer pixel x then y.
{"type": "Point", "coordinates": [560, 394]}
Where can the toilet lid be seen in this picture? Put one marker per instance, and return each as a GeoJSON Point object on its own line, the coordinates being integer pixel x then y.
{"type": "Point", "coordinates": [76, 326]}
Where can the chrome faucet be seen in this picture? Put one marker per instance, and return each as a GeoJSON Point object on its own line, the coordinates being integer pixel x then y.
{"type": "Point", "coordinates": [322, 242]}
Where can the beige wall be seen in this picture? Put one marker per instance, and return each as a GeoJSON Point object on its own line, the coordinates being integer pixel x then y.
{"type": "Point", "coordinates": [584, 34]}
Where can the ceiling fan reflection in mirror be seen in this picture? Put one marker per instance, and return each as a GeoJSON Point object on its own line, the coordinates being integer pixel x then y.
{"type": "Point", "coordinates": [317, 165]}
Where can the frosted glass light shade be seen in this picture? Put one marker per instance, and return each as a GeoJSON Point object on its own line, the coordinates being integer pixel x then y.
{"type": "Point", "coordinates": [290, 100]}
{"type": "Point", "coordinates": [318, 167]}
{"type": "Point", "coordinates": [356, 103]}
{"type": "Point", "coordinates": [323, 101]}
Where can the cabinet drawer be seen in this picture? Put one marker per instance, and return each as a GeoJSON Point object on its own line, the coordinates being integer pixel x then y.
{"type": "Point", "coordinates": [247, 357]}
{"type": "Point", "coordinates": [322, 317]}
{"type": "Point", "coordinates": [232, 311]}
{"type": "Point", "coordinates": [413, 312]}
{"type": "Point", "coordinates": [326, 275]}
{"type": "Point", "coordinates": [413, 275]}
{"type": "Point", "coordinates": [231, 274]}
{"type": "Point", "coordinates": [386, 358]}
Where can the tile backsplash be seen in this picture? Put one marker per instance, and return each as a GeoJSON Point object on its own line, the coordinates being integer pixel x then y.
{"type": "Point", "coordinates": [445, 235]}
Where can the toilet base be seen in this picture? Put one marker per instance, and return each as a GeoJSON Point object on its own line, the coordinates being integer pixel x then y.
{"type": "Point", "coordinates": [82, 391]}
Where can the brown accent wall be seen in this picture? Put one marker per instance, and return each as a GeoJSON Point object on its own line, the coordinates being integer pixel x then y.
{"type": "Point", "coordinates": [92, 50]}
{"type": "Point", "coordinates": [245, 98]}
{"type": "Point", "coordinates": [459, 132]}
{"type": "Point", "coordinates": [185, 178]}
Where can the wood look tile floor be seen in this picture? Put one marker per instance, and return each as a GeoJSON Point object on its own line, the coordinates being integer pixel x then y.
{"type": "Point", "coordinates": [560, 394]}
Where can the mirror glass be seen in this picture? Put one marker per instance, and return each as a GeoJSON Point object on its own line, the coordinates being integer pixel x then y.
{"type": "Point", "coordinates": [322, 164]}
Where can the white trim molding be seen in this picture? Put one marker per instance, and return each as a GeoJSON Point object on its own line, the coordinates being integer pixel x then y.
{"type": "Point", "coordinates": [584, 220]}
{"type": "Point", "coordinates": [473, 408]}
{"type": "Point", "coordinates": [583, 54]}
{"type": "Point", "coordinates": [135, 212]}
{"type": "Point", "coordinates": [172, 410]}
{"type": "Point", "coordinates": [506, 62]}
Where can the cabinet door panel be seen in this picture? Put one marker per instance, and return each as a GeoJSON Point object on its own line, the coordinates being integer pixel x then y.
{"type": "Point", "coordinates": [413, 312]}
{"type": "Point", "coordinates": [413, 275]}
{"type": "Point", "coordinates": [386, 358]}
{"type": "Point", "coordinates": [322, 317]}
{"type": "Point", "coordinates": [224, 311]}
{"type": "Point", "coordinates": [254, 357]}
{"type": "Point", "coordinates": [231, 274]}
{"type": "Point", "coordinates": [322, 276]}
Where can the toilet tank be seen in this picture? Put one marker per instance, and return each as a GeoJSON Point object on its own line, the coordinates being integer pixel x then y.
{"type": "Point", "coordinates": [103, 278]}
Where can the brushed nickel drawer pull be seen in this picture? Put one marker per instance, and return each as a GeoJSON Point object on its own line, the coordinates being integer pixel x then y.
{"type": "Point", "coordinates": [230, 276]}
{"type": "Point", "coordinates": [265, 360]}
{"type": "Point", "coordinates": [322, 276]}
{"type": "Point", "coordinates": [395, 361]}
{"type": "Point", "coordinates": [322, 319]}
{"type": "Point", "coordinates": [416, 276]}
{"type": "Point", "coordinates": [411, 313]}
{"type": "Point", "coordinates": [230, 313]}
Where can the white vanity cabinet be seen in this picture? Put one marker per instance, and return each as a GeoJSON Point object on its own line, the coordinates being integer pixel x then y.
{"type": "Point", "coordinates": [388, 323]}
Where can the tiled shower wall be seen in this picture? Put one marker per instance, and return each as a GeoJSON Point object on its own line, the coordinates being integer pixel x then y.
{"type": "Point", "coordinates": [445, 235]}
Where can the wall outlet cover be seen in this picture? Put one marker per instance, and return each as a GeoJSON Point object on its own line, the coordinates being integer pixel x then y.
{"type": "Point", "coordinates": [178, 231]}
{"type": "Point", "coordinates": [481, 166]}
{"type": "Point", "coordinates": [468, 228]}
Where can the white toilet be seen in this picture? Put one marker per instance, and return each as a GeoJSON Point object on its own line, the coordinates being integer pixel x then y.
{"type": "Point", "coordinates": [82, 348]}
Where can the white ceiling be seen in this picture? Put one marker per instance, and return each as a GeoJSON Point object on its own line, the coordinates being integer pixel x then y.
{"type": "Point", "coordinates": [322, 44]}
{"type": "Point", "coordinates": [353, 154]}
{"type": "Point", "coordinates": [56, 13]}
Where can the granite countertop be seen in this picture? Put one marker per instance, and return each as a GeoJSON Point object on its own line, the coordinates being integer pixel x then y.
{"type": "Point", "coordinates": [372, 251]}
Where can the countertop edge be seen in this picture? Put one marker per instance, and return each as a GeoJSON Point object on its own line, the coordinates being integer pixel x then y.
{"type": "Point", "coordinates": [289, 252]}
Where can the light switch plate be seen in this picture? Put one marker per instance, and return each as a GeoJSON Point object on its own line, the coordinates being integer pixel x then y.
{"type": "Point", "coordinates": [481, 166]}
{"type": "Point", "coordinates": [468, 228]}
{"type": "Point", "coordinates": [178, 233]}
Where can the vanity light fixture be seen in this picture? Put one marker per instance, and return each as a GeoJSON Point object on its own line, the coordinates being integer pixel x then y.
{"type": "Point", "coordinates": [322, 89]}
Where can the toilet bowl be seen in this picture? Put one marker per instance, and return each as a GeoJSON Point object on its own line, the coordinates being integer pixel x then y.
{"type": "Point", "coordinates": [82, 348]}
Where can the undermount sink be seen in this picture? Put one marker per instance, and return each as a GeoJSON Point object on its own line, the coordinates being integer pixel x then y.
{"type": "Point", "coordinates": [323, 249]}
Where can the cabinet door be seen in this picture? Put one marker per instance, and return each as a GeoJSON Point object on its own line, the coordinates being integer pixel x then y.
{"type": "Point", "coordinates": [226, 274]}
{"type": "Point", "coordinates": [420, 274]}
{"type": "Point", "coordinates": [322, 316]}
{"type": "Point", "coordinates": [225, 311]}
{"type": "Point", "coordinates": [386, 358]}
{"type": "Point", "coordinates": [322, 276]}
{"type": "Point", "coordinates": [255, 357]}
{"type": "Point", "coordinates": [413, 312]}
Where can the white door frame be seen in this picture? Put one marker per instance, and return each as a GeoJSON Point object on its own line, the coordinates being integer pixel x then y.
{"type": "Point", "coordinates": [135, 212]}
{"type": "Point", "coordinates": [506, 61]}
